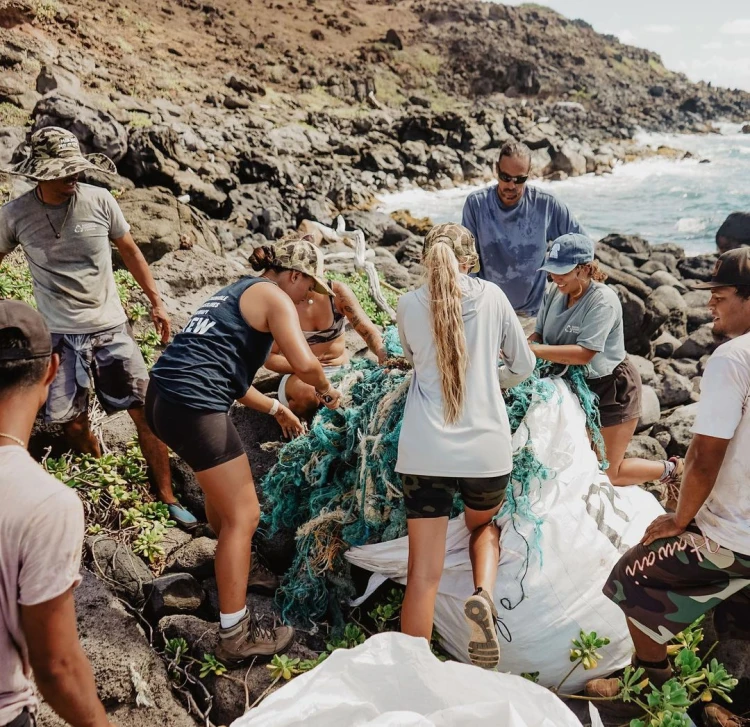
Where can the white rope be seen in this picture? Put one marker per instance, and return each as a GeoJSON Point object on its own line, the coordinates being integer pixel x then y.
{"type": "Point", "coordinates": [356, 240]}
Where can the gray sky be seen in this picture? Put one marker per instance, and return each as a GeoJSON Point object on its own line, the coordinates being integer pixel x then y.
{"type": "Point", "coordinates": [707, 41]}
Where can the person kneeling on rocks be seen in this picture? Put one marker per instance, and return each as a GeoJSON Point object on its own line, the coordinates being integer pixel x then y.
{"type": "Point", "coordinates": [41, 536]}
{"type": "Point", "coordinates": [211, 364]}
{"type": "Point", "coordinates": [65, 229]}
{"type": "Point", "coordinates": [455, 435]}
{"type": "Point", "coordinates": [323, 319]}
{"type": "Point", "coordinates": [580, 323]}
{"type": "Point", "coordinates": [698, 558]}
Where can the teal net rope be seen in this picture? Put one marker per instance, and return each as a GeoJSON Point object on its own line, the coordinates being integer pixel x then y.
{"type": "Point", "coordinates": [337, 488]}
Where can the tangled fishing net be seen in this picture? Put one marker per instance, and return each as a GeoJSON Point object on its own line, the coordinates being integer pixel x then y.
{"type": "Point", "coordinates": [336, 485]}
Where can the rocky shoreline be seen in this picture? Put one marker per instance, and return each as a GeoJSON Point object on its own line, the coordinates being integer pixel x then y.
{"type": "Point", "coordinates": [229, 129]}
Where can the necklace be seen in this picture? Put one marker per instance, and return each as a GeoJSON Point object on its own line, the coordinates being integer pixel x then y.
{"type": "Point", "coordinates": [18, 441]}
{"type": "Point", "coordinates": [65, 219]}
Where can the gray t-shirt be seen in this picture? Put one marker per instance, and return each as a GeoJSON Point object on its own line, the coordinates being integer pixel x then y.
{"type": "Point", "coordinates": [594, 322]}
{"type": "Point", "coordinates": [74, 285]}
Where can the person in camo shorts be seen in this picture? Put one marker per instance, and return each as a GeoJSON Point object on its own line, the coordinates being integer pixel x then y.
{"type": "Point", "coordinates": [455, 436]}
{"type": "Point", "coordinates": [698, 559]}
{"type": "Point", "coordinates": [65, 228]}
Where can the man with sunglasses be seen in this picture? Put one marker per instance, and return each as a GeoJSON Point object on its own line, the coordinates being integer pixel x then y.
{"type": "Point", "coordinates": [512, 224]}
{"type": "Point", "coordinates": [65, 229]}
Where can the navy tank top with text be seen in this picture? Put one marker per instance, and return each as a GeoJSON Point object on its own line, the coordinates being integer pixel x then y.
{"type": "Point", "coordinates": [214, 359]}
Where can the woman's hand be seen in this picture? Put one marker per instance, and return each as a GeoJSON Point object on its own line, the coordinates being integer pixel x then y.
{"type": "Point", "coordinates": [331, 399]}
{"type": "Point", "coordinates": [382, 355]}
{"type": "Point", "coordinates": [290, 424]}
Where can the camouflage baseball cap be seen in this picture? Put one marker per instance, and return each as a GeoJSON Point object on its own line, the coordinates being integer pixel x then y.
{"type": "Point", "coordinates": [304, 256]}
{"type": "Point", "coordinates": [458, 238]}
{"type": "Point", "coordinates": [55, 153]}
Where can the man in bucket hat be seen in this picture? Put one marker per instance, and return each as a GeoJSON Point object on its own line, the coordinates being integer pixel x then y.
{"type": "Point", "coordinates": [65, 228]}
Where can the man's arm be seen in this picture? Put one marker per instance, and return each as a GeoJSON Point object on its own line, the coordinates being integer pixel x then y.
{"type": "Point", "coordinates": [702, 464]}
{"type": "Point", "coordinates": [138, 267]}
{"type": "Point", "coordinates": [61, 669]}
{"type": "Point", "coordinates": [347, 304]}
{"type": "Point", "coordinates": [564, 220]}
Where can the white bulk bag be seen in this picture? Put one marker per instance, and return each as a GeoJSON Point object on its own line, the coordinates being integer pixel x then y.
{"type": "Point", "coordinates": [393, 679]}
{"type": "Point", "coordinates": [587, 524]}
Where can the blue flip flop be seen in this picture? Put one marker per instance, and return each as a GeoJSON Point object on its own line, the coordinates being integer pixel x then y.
{"type": "Point", "coordinates": [184, 518]}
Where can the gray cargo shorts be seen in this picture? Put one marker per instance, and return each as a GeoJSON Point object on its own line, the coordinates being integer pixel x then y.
{"type": "Point", "coordinates": [109, 360]}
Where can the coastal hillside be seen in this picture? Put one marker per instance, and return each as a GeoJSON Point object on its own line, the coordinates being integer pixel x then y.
{"type": "Point", "coordinates": [267, 112]}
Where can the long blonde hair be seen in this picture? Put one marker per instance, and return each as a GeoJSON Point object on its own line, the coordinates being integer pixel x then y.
{"type": "Point", "coordinates": [442, 276]}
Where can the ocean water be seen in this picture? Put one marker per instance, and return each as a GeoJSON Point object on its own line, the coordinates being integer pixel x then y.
{"type": "Point", "coordinates": [661, 200]}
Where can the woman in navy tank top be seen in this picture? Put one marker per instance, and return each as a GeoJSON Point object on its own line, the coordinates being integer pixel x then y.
{"type": "Point", "coordinates": [211, 364]}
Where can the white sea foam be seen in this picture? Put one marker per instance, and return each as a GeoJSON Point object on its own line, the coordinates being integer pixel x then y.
{"type": "Point", "coordinates": [691, 224]}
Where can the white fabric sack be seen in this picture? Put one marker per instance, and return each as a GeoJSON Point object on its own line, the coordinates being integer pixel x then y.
{"type": "Point", "coordinates": [587, 524]}
{"type": "Point", "coordinates": [393, 679]}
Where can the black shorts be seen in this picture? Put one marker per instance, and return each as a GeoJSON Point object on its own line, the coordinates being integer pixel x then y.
{"type": "Point", "coordinates": [204, 439]}
{"type": "Point", "coordinates": [619, 394]}
{"type": "Point", "coordinates": [433, 496]}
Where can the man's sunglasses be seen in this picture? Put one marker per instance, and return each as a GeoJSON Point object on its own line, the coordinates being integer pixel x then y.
{"type": "Point", "coordinates": [518, 181]}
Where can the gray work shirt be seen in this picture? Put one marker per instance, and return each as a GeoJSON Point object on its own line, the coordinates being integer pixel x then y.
{"type": "Point", "coordinates": [594, 322]}
{"type": "Point", "coordinates": [74, 284]}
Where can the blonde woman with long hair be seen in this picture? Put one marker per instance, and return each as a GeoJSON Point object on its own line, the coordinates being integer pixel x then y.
{"type": "Point", "coordinates": [455, 436]}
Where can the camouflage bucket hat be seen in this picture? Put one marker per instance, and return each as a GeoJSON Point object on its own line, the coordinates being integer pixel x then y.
{"type": "Point", "coordinates": [458, 238]}
{"type": "Point", "coordinates": [55, 153]}
{"type": "Point", "coordinates": [304, 256]}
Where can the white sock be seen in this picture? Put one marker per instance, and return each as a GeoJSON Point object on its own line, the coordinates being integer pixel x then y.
{"type": "Point", "coordinates": [231, 619]}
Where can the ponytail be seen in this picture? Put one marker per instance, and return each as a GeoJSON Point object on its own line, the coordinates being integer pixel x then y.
{"type": "Point", "coordinates": [447, 327]}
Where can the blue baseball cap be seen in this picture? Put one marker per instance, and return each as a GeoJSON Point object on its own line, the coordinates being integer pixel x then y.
{"type": "Point", "coordinates": [567, 252]}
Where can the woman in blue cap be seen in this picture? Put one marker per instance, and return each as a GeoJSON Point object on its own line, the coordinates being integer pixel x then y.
{"type": "Point", "coordinates": [580, 323]}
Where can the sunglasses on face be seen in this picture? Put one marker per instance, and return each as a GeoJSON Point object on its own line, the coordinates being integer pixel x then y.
{"type": "Point", "coordinates": [518, 181]}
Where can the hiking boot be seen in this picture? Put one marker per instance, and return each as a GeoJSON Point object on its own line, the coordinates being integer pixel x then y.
{"type": "Point", "coordinates": [481, 614]}
{"type": "Point", "coordinates": [261, 580]}
{"type": "Point", "coordinates": [716, 716]}
{"type": "Point", "coordinates": [608, 688]}
{"type": "Point", "coordinates": [248, 639]}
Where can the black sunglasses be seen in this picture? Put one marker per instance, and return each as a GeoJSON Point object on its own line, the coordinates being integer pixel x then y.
{"type": "Point", "coordinates": [518, 181]}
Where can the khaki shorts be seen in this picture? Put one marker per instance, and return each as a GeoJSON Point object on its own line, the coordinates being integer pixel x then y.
{"type": "Point", "coordinates": [619, 394]}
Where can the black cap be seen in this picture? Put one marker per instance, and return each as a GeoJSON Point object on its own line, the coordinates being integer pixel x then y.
{"type": "Point", "coordinates": [16, 314]}
{"type": "Point", "coordinates": [731, 269]}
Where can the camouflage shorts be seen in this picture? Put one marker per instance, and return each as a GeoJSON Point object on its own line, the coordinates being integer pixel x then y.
{"type": "Point", "coordinates": [111, 360]}
{"type": "Point", "coordinates": [662, 588]}
{"type": "Point", "coordinates": [433, 496]}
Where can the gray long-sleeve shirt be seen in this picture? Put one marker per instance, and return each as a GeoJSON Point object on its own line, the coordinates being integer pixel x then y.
{"type": "Point", "coordinates": [479, 444]}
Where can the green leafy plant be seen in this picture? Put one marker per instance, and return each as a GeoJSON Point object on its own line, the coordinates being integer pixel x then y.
{"type": "Point", "coordinates": [211, 665]}
{"type": "Point", "coordinates": [693, 680]}
{"type": "Point", "coordinates": [175, 649]}
{"type": "Point", "coordinates": [584, 653]}
{"type": "Point", "coordinates": [389, 612]}
{"type": "Point", "coordinates": [352, 636]}
{"type": "Point", "coordinates": [115, 493]}
{"type": "Point", "coordinates": [358, 283]}
{"type": "Point", "coordinates": [532, 676]}
{"type": "Point", "coordinates": [283, 667]}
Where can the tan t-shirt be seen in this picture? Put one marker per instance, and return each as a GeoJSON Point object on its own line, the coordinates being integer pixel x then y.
{"type": "Point", "coordinates": [41, 535]}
